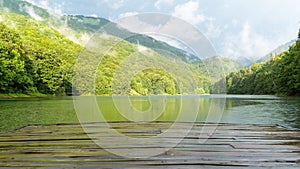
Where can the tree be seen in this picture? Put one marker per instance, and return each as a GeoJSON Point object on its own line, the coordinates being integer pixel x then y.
{"type": "Point", "coordinates": [13, 71]}
{"type": "Point", "coordinates": [280, 75]}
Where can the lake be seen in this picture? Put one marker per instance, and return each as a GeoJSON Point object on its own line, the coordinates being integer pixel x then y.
{"type": "Point", "coordinates": [245, 109]}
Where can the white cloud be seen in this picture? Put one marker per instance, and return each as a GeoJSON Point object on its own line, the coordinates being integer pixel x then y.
{"type": "Point", "coordinates": [56, 7]}
{"type": "Point", "coordinates": [159, 3]}
{"type": "Point", "coordinates": [44, 4]}
{"type": "Point", "coordinates": [212, 31]}
{"type": "Point", "coordinates": [170, 41]}
{"type": "Point", "coordinates": [94, 15]}
{"type": "Point", "coordinates": [247, 43]}
{"type": "Point", "coordinates": [142, 48]}
{"type": "Point", "coordinates": [32, 13]}
{"type": "Point", "coordinates": [169, 29]}
{"type": "Point", "coordinates": [115, 4]}
{"type": "Point", "coordinates": [190, 12]}
{"type": "Point", "coordinates": [123, 15]}
{"type": "Point", "coordinates": [234, 22]}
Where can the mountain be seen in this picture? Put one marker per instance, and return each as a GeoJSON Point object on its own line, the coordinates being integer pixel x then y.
{"type": "Point", "coordinates": [277, 51]}
{"type": "Point", "coordinates": [228, 65]}
{"type": "Point", "coordinates": [36, 59]}
{"type": "Point", "coordinates": [41, 49]}
{"type": "Point", "coordinates": [280, 75]}
{"type": "Point", "coordinates": [80, 28]}
{"type": "Point", "coordinates": [244, 61]}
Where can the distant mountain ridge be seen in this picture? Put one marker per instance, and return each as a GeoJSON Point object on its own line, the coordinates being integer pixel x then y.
{"type": "Point", "coordinates": [277, 51]}
{"type": "Point", "coordinates": [279, 75]}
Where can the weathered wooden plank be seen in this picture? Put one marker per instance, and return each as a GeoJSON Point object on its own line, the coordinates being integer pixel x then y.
{"type": "Point", "coordinates": [147, 164]}
{"type": "Point", "coordinates": [192, 133]}
{"type": "Point", "coordinates": [231, 145]}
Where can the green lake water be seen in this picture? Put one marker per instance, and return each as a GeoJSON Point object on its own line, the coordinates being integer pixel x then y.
{"type": "Point", "coordinates": [245, 109]}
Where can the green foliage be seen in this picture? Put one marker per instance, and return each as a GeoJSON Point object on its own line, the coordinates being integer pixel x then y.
{"type": "Point", "coordinates": [84, 24]}
{"type": "Point", "coordinates": [35, 58]}
{"type": "Point", "coordinates": [49, 58]}
{"type": "Point", "coordinates": [117, 71]}
{"type": "Point", "coordinates": [154, 81]}
{"type": "Point", "coordinates": [14, 64]}
{"type": "Point", "coordinates": [280, 75]}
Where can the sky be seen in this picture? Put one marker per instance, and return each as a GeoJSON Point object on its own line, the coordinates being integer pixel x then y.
{"type": "Point", "coordinates": [236, 28]}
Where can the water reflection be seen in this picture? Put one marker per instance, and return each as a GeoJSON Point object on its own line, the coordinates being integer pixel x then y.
{"type": "Point", "coordinates": [170, 112]}
{"type": "Point", "coordinates": [285, 111]}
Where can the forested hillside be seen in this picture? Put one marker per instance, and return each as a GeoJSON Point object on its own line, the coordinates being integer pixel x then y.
{"type": "Point", "coordinates": [280, 75]}
{"type": "Point", "coordinates": [36, 58]}
{"type": "Point", "coordinates": [80, 28]}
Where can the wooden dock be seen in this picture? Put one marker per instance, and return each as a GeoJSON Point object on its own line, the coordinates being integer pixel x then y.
{"type": "Point", "coordinates": [230, 146]}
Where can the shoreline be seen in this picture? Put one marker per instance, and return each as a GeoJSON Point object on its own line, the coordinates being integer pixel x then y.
{"type": "Point", "coordinates": [14, 96]}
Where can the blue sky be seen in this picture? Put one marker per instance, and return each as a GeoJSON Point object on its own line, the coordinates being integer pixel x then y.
{"type": "Point", "coordinates": [247, 28]}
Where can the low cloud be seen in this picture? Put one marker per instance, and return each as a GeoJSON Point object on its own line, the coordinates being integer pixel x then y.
{"type": "Point", "coordinates": [212, 30]}
{"type": "Point", "coordinates": [57, 20]}
{"type": "Point", "coordinates": [94, 15]}
{"type": "Point", "coordinates": [32, 13]}
{"type": "Point", "coordinates": [55, 8]}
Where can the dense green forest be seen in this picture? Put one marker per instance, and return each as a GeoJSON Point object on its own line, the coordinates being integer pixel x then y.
{"type": "Point", "coordinates": [39, 50]}
{"type": "Point", "coordinates": [36, 59]}
{"type": "Point", "coordinates": [81, 28]}
{"type": "Point", "coordinates": [279, 75]}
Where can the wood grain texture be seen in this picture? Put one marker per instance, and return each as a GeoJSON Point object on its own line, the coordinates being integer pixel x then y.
{"type": "Point", "coordinates": [230, 146]}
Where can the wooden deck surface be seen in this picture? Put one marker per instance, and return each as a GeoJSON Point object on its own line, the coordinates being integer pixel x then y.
{"type": "Point", "coordinates": [231, 146]}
